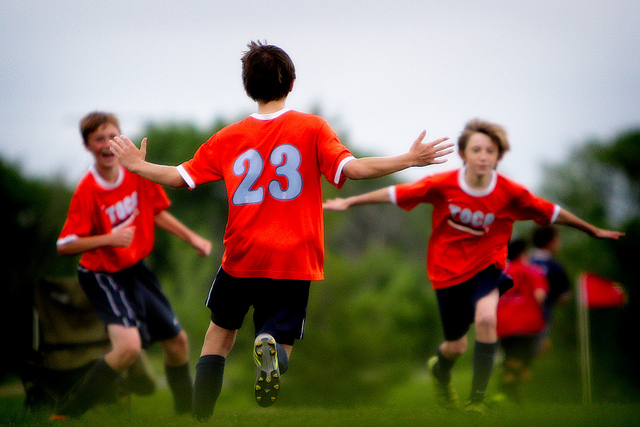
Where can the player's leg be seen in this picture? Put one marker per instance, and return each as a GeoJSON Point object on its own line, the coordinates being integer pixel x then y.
{"type": "Point", "coordinates": [218, 342]}
{"type": "Point", "coordinates": [456, 316]}
{"type": "Point", "coordinates": [161, 325]}
{"type": "Point", "coordinates": [102, 376]}
{"type": "Point", "coordinates": [176, 365]}
{"type": "Point", "coordinates": [229, 301]}
{"type": "Point", "coordinates": [485, 346]}
{"type": "Point", "coordinates": [279, 314]}
{"type": "Point", "coordinates": [440, 367]}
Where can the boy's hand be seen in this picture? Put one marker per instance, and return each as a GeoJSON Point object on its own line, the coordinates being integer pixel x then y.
{"type": "Point", "coordinates": [429, 153]}
{"type": "Point", "coordinates": [337, 204]}
{"type": "Point", "coordinates": [201, 245]}
{"type": "Point", "coordinates": [607, 234]}
{"type": "Point", "coordinates": [123, 237]}
{"type": "Point", "coordinates": [127, 153]}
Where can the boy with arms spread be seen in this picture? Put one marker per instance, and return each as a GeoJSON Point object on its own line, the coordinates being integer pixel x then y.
{"type": "Point", "coordinates": [271, 163]}
{"type": "Point", "coordinates": [111, 222]}
{"type": "Point", "coordinates": [473, 213]}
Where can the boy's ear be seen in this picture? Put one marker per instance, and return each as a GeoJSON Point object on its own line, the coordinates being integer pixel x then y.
{"type": "Point", "coordinates": [461, 154]}
{"type": "Point", "coordinates": [292, 82]}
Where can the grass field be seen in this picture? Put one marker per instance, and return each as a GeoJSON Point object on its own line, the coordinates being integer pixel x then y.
{"type": "Point", "coordinates": [408, 405]}
{"type": "Point", "coordinates": [157, 411]}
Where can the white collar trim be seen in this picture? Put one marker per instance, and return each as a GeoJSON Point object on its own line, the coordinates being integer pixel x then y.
{"type": "Point", "coordinates": [472, 191]}
{"type": "Point", "coordinates": [270, 116]}
{"type": "Point", "coordinates": [104, 183]}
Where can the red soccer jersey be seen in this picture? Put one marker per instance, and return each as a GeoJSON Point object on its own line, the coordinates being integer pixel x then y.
{"type": "Point", "coordinates": [519, 313]}
{"type": "Point", "coordinates": [470, 229]}
{"type": "Point", "coordinates": [97, 207]}
{"type": "Point", "coordinates": [271, 166]}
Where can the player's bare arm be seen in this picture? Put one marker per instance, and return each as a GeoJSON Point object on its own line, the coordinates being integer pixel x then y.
{"type": "Point", "coordinates": [567, 218]}
{"type": "Point", "coordinates": [170, 223]}
{"type": "Point", "coordinates": [377, 196]}
{"type": "Point", "coordinates": [133, 159]}
{"type": "Point", "coordinates": [420, 154]}
{"type": "Point", "coordinates": [121, 237]}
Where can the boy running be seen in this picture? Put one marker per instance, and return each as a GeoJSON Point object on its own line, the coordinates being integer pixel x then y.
{"type": "Point", "coordinates": [473, 213]}
{"type": "Point", "coordinates": [271, 164]}
{"type": "Point", "coordinates": [111, 222]}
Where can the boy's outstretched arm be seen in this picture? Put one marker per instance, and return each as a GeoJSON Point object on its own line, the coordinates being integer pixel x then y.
{"type": "Point", "coordinates": [170, 223]}
{"type": "Point", "coordinates": [420, 154]}
{"type": "Point", "coordinates": [132, 158]}
{"type": "Point", "coordinates": [567, 218]}
{"type": "Point", "coordinates": [377, 196]}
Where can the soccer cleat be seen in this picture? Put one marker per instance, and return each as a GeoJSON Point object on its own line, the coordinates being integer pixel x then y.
{"type": "Point", "coordinates": [56, 417]}
{"type": "Point", "coordinates": [445, 393]}
{"type": "Point", "coordinates": [477, 408]}
{"type": "Point", "coordinates": [265, 355]}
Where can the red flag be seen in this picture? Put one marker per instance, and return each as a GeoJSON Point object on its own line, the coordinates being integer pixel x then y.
{"type": "Point", "coordinates": [600, 292]}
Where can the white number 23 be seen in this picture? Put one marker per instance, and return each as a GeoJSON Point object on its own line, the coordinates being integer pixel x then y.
{"type": "Point", "coordinates": [286, 159]}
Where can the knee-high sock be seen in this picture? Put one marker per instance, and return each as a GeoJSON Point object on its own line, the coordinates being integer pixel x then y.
{"type": "Point", "coordinates": [92, 387]}
{"type": "Point", "coordinates": [208, 384]}
{"type": "Point", "coordinates": [179, 381]}
{"type": "Point", "coordinates": [442, 369]}
{"type": "Point", "coordinates": [483, 356]}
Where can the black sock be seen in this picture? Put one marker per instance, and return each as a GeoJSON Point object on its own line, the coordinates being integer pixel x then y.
{"type": "Point", "coordinates": [208, 384]}
{"type": "Point", "coordinates": [442, 370]}
{"type": "Point", "coordinates": [99, 380]}
{"type": "Point", "coordinates": [483, 355]}
{"type": "Point", "coordinates": [283, 359]}
{"type": "Point", "coordinates": [179, 381]}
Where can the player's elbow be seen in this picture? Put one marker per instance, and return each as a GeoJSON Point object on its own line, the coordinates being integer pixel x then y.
{"type": "Point", "coordinates": [355, 170]}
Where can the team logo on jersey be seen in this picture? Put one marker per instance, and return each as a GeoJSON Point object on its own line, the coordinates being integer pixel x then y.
{"type": "Point", "coordinates": [468, 221]}
{"type": "Point", "coordinates": [122, 213]}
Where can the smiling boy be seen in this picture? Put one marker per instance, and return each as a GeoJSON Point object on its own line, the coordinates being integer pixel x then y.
{"type": "Point", "coordinates": [111, 222]}
{"type": "Point", "coordinates": [474, 209]}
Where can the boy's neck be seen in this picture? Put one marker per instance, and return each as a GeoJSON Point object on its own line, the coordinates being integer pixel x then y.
{"type": "Point", "coordinates": [108, 173]}
{"type": "Point", "coordinates": [271, 106]}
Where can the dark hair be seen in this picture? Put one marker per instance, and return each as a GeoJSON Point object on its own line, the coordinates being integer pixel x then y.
{"type": "Point", "coordinates": [516, 248]}
{"type": "Point", "coordinates": [494, 131]}
{"type": "Point", "coordinates": [543, 235]}
{"type": "Point", "coordinates": [267, 72]}
{"type": "Point", "coordinates": [92, 121]}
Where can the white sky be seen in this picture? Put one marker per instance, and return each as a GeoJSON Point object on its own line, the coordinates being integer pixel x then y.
{"type": "Point", "coordinates": [554, 72]}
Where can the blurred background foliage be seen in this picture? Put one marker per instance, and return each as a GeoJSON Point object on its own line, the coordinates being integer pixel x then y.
{"type": "Point", "coordinates": [373, 321]}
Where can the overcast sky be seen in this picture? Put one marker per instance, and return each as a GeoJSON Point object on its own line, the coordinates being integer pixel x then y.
{"type": "Point", "coordinates": [555, 73]}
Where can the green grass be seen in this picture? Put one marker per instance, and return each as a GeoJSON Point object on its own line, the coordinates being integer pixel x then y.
{"type": "Point", "coordinates": [409, 405]}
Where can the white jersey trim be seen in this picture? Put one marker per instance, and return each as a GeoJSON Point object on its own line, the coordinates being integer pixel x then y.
{"type": "Point", "coordinates": [104, 183]}
{"type": "Point", "coordinates": [472, 191]}
{"type": "Point", "coordinates": [336, 178]}
{"type": "Point", "coordinates": [556, 213]}
{"type": "Point", "coordinates": [185, 175]}
{"type": "Point", "coordinates": [270, 116]}
{"type": "Point", "coordinates": [393, 197]}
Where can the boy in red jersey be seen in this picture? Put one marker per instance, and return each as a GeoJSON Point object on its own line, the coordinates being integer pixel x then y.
{"type": "Point", "coordinates": [271, 163]}
{"type": "Point", "coordinates": [473, 213]}
{"type": "Point", "coordinates": [111, 222]}
{"type": "Point", "coordinates": [520, 319]}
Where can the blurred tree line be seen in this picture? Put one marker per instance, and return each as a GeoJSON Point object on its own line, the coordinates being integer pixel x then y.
{"type": "Point", "coordinates": [373, 321]}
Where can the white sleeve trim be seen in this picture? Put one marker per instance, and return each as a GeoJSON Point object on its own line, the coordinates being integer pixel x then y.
{"type": "Point", "coordinates": [185, 175]}
{"type": "Point", "coordinates": [392, 195]}
{"type": "Point", "coordinates": [336, 178]}
{"type": "Point", "coordinates": [66, 239]}
{"type": "Point", "coordinates": [556, 213]}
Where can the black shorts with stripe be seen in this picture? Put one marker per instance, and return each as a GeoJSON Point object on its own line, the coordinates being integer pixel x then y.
{"type": "Point", "coordinates": [279, 305]}
{"type": "Point", "coordinates": [131, 297]}
{"type": "Point", "coordinates": [457, 303]}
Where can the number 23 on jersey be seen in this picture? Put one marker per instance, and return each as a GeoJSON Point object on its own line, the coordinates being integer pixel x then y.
{"type": "Point", "coordinates": [250, 165]}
